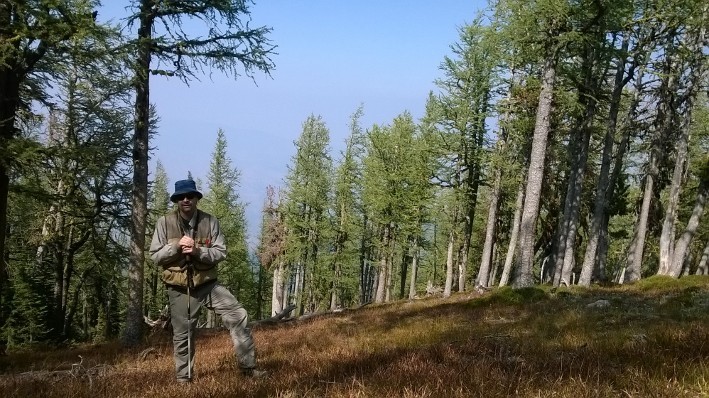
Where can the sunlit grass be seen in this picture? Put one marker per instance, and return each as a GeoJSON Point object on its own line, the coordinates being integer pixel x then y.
{"type": "Point", "coordinates": [652, 339]}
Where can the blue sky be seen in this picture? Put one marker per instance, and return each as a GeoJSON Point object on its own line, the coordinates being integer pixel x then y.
{"type": "Point", "coordinates": [333, 55]}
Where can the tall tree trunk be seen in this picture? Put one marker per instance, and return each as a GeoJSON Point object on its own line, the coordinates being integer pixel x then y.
{"type": "Point", "coordinates": [472, 186]}
{"type": "Point", "coordinates": [585, 278]}
{"type": "Point", "coordinates": [414, 268]}
{"type": "Point", "coordinates": [389, 276]}
{"type": "Point", "coordinates": [483, 278]}
{"type": "Point", "coordinates": [9, 103]}
{"type": "Point", "coordinates": [512, 247]}
{"type": "Point", "coordinates": [703, 265]}
{"type": "Point", "coordinates": [364, 289]}
{"type": "Point", "coordinates": [450, 251]}
{"type": "Point", "coordinates": [668, 224]}
{"type": "Point", "coordinates": [669, 263]}
{"type": "Point", "coordinates": [463, 261]}
{"type": "Point", "coordinates": [139, 199]}
{"type": "Point", "coordinates": [629, 273]}
{"type": "Point", "coordinates": [383, 266]}
{"type": "Point", "coordinates": [600, 207]}
{"type": "Point", "coordinates": [298, 288]}
{"type": "Point", "coordinates": [663, 121]}
{"type": "Point", "coordinates": [10, 79]}
{"type": "Point", "coordinates": [535, 175]}
{"type": "Point", "coordinates": [683, 242]}
{"type": "Point", "coordinates": [277, 303]}
{"type": "Point", "coordinates": [449, 264]}
{"type": "Point", "coordinates": [337, 268]}
{"type": "Point", "coordinates": [579, 159]}
{"type": "Point", "coordinates": [404, 272]}
{"type": "Point", "coordinates": [470, 205]}
{"type": "Point", "coordinates": [569, 221]}
{"type": "Point", "coordinates": [635, 252]}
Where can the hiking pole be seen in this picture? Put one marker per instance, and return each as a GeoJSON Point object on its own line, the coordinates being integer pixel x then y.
{"type": "Point", "coordinates": [188, 265]}
{"type": "Point", "coordinates": [189, 320]}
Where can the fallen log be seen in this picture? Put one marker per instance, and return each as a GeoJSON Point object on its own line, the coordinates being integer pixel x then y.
{"type": "Point", "coordinates": [276, 318]}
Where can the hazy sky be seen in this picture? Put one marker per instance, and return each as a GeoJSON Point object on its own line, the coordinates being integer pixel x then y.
{"type": "Point", "coordinates": [333, 55]}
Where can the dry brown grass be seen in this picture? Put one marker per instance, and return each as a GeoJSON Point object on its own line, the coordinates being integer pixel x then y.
{"type": "Point", "coordinates": [652, 341]}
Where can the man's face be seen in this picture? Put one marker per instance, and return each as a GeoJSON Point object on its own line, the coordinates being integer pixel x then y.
{"type": "Point", "coordinates": [187, 203]}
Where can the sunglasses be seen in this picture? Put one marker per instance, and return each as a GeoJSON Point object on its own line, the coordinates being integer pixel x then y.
{"type": "Point", "coordinates": [189, 196]}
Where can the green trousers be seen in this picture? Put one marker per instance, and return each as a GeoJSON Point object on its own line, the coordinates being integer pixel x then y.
{"type": "Point", "coordinates": [218, 298]}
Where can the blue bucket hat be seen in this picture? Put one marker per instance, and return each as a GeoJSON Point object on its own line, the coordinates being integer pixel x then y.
{"type": "Point", "coordinates": [184, 187]}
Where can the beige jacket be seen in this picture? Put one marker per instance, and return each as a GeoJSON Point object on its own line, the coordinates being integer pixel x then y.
{"type": "Point", "coordinates": [165, 249]}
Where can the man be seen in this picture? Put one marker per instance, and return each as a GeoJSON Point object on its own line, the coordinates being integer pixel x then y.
{"type": "Point", "coordinates": [189, 244]}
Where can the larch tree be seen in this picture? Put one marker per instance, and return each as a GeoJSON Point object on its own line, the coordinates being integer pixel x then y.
{"type": "Point", "coordinates": [667, 68]}
{"type": "Point", "coordinates": [418, 210]}
{"type": "Point", "coordinates": [517, 119]}
{"type": "Point", "coordinates": [227, 44]}
{"type": "Point", "coordinates": [307, 202]}
{"type": "Point", "coordinates": [474, 72]}
{"type": "Point", "coordinates": [271, 249]}
{"type": "Point", "coordinates": [695, 39]}
{"type": "Point", "coordinates": [464, 105]}
{"type": "Point", "coordinates": [159, 200]}
{"type": "Point", "coordinates": [625, 68]}
{"type": "Point", "coordinates": [588, 76]}
{"type": "Point", "coordinates": [222, 201]}
{"type": "Point", "coordinates": [698, 251]}
{"type": "Point", "coordinates": [80, 186]}
{"type": "Point", "coordinates": [537, 32]}
{"type": "Point", "coordinates": [33, 39]}
{"type": "Point", "coordinates": [348, 218]}
{"type": "Point", "coordinates": [391, 194]}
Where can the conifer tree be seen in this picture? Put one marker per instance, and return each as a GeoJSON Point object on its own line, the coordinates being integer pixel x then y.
{"type": "Point", "coordinates": [271, 250]}
{"type": "Point", "coordinates": [228, 44]}
{"type": "Point", "coordinates": [158, 207]}
{"type": "Point", "coordinates": [222, 201]}
{"type": "Point", "coordinates": [307, 201]}
{"type": "Point", "coordinates": [79, 190]}
{"type": "Point", "coordinates": [348, 219]}
{"type": "Point", "coordinates": [395, 178]}
{"type": "Point", "coordinates": [33, 38]}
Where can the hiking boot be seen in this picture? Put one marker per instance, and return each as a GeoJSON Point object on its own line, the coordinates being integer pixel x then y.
{"type": "Point", "coordinates": [184, 380]}
{"type": "Point", "coordinates": [255, 373]}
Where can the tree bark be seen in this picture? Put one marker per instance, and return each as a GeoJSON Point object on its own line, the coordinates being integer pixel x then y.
{"type": "Point", "coordinates": [535, 175]}
{"type": "Point", "coordinates": [449, 264]}
{"type": "Point", "coordinates": [578, 154]}
{"type": "Point", "coordinates": [669, 223]}
{"type": "Point", "coordinates": [703, 265]}
{"type": "Point", "coordinates": [603, 187]}
{"type": "Point", "coordinates": [364, 280]}
{"type": "Point", "coordinates": [9, 103]}
{"type": "Point", "coordinates": [483, 278]}
{"type": "Point", "coordinates": [575, 209]}
{"type": "Point", "coordinates": [680, 250]}
{"type": "Point", "coordinates": [662, 122]}
{"type": "Point", "coordinates": [512, 247]}
{"type": "Point", "coordinates": [383, 267]}
{"type": "Point", "coordinates": [277, 288]}
{"type": "Point", "coordinates": [139, 198]}
{"type": "Point", "coordinates": [671, 264]}
{"type": "Point", "coordinates": [414, 268]}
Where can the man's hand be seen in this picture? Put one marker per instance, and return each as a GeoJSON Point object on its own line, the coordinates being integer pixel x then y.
{"type": "Point", "coordinates": [187, 245]}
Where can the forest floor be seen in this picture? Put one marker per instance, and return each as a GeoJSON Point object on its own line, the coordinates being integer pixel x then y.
{"type": "Point", "coordinates": [650, 339]}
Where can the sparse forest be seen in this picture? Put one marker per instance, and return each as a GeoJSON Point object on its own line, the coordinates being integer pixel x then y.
{"type": "Point", "coordinates": [566, 147]}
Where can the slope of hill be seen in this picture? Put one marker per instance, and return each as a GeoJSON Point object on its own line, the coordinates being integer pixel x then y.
{"type": "Point", "coordinates": [649, 339]}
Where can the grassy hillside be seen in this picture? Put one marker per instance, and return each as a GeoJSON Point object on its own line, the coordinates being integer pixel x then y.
{"type": "Point", "coordinates": [646, 340]}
